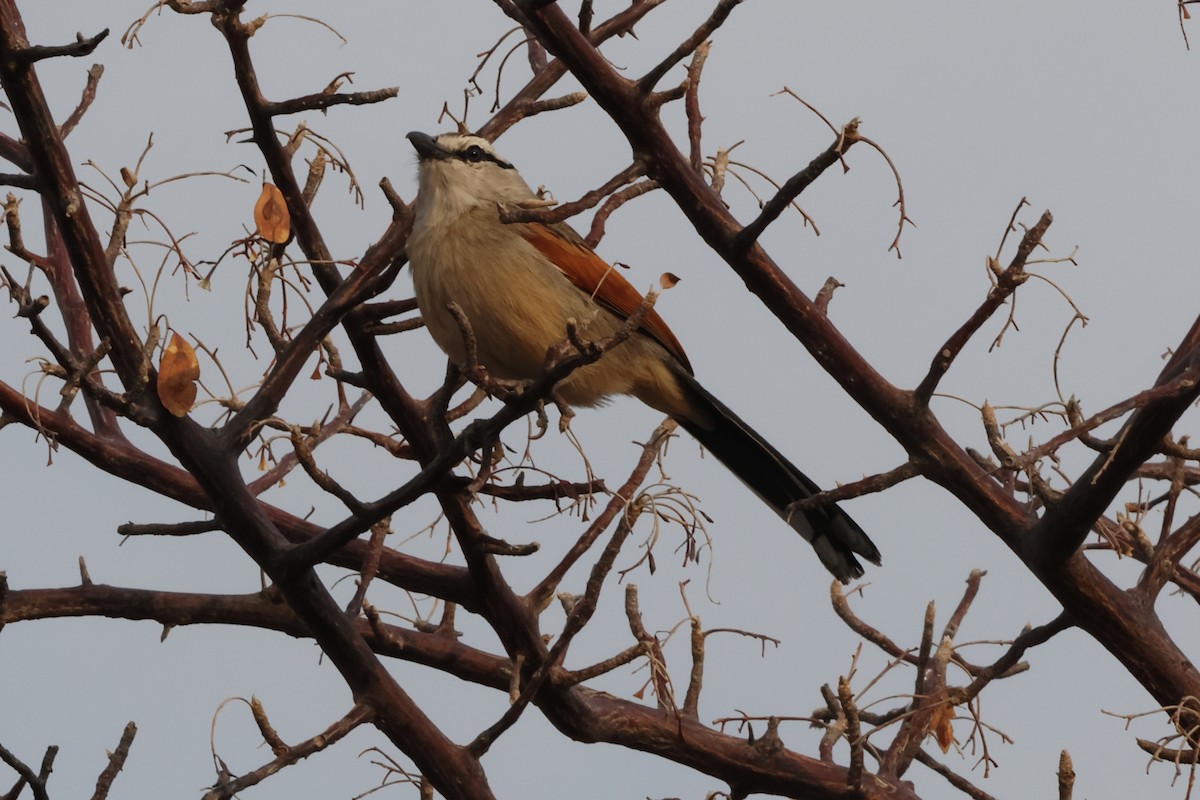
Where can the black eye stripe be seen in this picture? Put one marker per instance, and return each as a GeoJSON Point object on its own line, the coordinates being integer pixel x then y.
{"type": "Point", "coordinates": [476, 154]}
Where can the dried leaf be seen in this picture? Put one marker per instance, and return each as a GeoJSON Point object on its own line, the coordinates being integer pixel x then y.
{"type": "Point", "coordinates": [271, 215]}
{"type": "Point", "coordinates": [178, 371]}
{"type": "Point", "coordinates": [941, 724]}
{"type": "Point", "coordinates": [668, 280]}
{"type": "Point", "coordinates": [127, 178]}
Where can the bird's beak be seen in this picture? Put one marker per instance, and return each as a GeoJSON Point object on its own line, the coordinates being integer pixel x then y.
{"type": "Point", "coordinates": [426, 146]}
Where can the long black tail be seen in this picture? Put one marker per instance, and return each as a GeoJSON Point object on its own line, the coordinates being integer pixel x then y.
{"type": "Point", "coordinates": [831, 531]}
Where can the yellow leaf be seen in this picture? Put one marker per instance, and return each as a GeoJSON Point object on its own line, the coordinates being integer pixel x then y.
{"type": "Point", "coordinates": [271, 215]}
{"type": "Point", "coordinates": [178, 371]}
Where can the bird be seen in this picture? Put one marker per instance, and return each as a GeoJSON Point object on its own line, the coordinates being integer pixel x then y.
{"type": "Point", "coordinates": [520, 284]}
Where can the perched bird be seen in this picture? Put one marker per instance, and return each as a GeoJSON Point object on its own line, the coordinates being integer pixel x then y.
{"type": "Point", "coordinates": [518, 284]}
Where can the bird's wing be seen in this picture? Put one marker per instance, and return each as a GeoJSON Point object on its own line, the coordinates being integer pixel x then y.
{"type": "Point", "coordinates": [590, 273]}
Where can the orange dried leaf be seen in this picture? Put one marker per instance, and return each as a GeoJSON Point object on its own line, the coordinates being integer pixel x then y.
{"type": "Point", "coordinates": [668, 280]}
{"type": "Point", "coordinates": [271, 215]}
{"type": "Point", "coordinates": [943, 729]}
{"type": "Point", "coordinates": [178, 371]}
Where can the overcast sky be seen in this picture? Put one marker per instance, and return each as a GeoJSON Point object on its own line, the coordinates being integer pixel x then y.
{"type": "Point", "coordinates": [1085, 109]}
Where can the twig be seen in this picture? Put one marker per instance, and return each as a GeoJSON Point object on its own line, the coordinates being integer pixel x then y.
{"type": "Point", "coordinates": [291, 754]}
{"type": "Point", "coordinates": [81, 47]}
{"type": "Point", "coordinates": [116, 760]}
{"type": "Point", "coordinates": [169, 529]}
{"type": "Point", "coordinates": [1066, 776]}
{"type": "Point", "coordinates": [1006, 283]}
{"type": "Point", "coordinates": [36, 781]}
{"type": "Point", "coordinates": [549, 216]}
{"type": "Point", "coordinates": [539, 596]}
{"type": "Point", "coordinates": [689, 45]}
{"type": "Point", "coordinates": [867, 485]}
{"type": "Point", "coordinates": [85, 101]}
{"type": "Point", "coordinates": [955, 780]}
{"type": "Point", "coordinates": [324, 100]}
{"type": "Point", "coordinates": [691, 104]}
{"type": "Point", "coordinates": [794, 185]}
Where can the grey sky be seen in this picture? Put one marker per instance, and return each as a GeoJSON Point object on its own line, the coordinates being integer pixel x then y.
{"type": "Point", "coordinates": [1086, 109]}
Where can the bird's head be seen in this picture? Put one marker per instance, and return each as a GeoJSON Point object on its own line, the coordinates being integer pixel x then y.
{"type": "Point", "coordinates": [458, 172]}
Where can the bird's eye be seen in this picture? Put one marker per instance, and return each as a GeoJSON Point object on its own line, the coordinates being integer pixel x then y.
{"type": "Point", "coordinates": [474, 153]}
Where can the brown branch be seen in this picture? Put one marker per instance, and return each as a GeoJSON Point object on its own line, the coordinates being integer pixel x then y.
{"type": "Point", "coordinates": [1009, 661]}
{"type": "Point", "coordinates": [691, 698]}
{"type": "Point", "coordinates": [793, 187]}
{"type": "Point", "coordinates": [867, 485]}
{"type": "Point", "coordinates": [842, 608]}
{"type": "Point", "coordinates": [1078, 429]}
{"type": "Point", "coordinates": [854, 775]}
{"type": "Point", "coordinates": [580, 613]}
{"type": "Point", "coordinates": [1066, 776]}
{"type": "Point", "coordinates": [116, 761]}
{"type": "Point", "coordinates": [535, 107]}
{"type": "Point", "coordinates": [60, 191]}
{"type": "Point", "coordinates": [596, 232]}
{"type": "Point", "coordinates": [85, 101]}
{"type": "Point", "coordinates": [1067, 522]}
{"type": "Point", "coordinates": [324, 100]}
{"type": "Point", "coordinates": [81, 47]}
{"type": "Point", "coordinates": [1164, 563]}
{"type": "Point", "coordinates": [539, 597]}
{"type": "Point", "coordinates": [357, 716]}
{"type": "Point", "coordinates": [964, 605]}
{"type": "Point", "coordinates": [1169, 754]}
{"type": "Point", "coordinates": [262, 610]}
{"type": "Point", "coordinates": [549, 216]}
{"type": "Point", "coordinates": [36, 781]}
{"type": "Point", "coordinates": [953, 778]}
{"type": "Point", "coordinates": [1006, 283]}
{"type": "Point", "coordinates": [18, 180]}
{"type": "Point", "coordinates": [691, 104]}
{"type": "Point", "coordinates": [706, 29]}
{"type": "Point", "coordinates": [122, 460]}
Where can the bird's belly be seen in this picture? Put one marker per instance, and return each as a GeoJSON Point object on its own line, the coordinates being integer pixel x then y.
{"type": "Point", "coordinates": [516, 306]}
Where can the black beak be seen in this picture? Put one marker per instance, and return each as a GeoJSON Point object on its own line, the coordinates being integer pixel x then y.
{"type": "Point", "coordinates": [426, 146]}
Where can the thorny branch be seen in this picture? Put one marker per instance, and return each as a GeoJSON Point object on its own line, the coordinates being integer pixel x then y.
{"type": "Point", "coordinates": [79, 270]}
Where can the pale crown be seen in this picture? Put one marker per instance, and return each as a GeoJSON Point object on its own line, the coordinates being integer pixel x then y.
{"type": "Point", "coordinates": [459, 172]}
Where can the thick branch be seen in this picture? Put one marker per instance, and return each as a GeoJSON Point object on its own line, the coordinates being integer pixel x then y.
{"type": "Point", "coordinates": [1068, 521]}
{"type": "Point", "coordinates": [59, 189]}
{"type": "Point", "coordinates": [1130, 631]}
{"type": "Point", "coordinates": [122, 460]}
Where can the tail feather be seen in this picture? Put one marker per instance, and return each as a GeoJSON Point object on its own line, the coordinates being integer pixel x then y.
{"type": "Point", "coordinates": [833, 534]}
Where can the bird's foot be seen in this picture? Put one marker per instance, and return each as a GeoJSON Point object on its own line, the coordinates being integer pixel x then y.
{"type": "Point", "coordinates": [565, 412]}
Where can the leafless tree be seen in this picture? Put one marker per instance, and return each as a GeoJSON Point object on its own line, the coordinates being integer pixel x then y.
{"type": "Point", "coordinates": [307, 304]}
